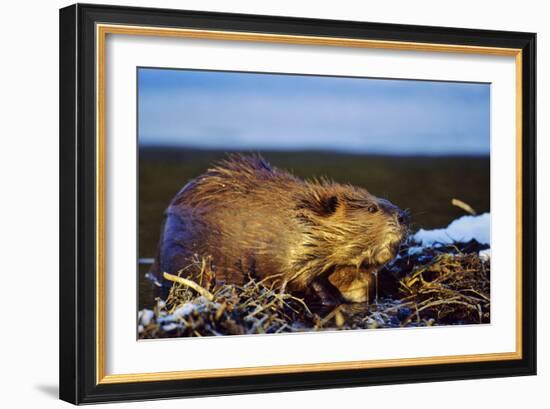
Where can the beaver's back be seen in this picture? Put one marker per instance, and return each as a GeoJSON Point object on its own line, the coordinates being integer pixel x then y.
{"type": "Point", "coordinates": [241, 214]}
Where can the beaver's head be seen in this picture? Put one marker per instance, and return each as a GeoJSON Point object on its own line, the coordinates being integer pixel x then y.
{"type": "Point", "coordinates": [348, 226]}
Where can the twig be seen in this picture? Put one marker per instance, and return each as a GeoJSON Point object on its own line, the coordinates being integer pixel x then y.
{"type": "Point", "coordinates": [464, 206]}
{"type": "Point", "coordinates": [205, 293]}
{"type": "Point", "coordinates": [329, 316]}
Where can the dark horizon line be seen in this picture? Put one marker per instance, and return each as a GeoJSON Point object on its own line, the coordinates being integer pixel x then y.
{"type": "Point", "coordinates": [175, 148]}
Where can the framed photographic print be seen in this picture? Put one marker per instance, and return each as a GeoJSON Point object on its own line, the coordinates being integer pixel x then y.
{"type": "Point", "coordinates": [257, 203]}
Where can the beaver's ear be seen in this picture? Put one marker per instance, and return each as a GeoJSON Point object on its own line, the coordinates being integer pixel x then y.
{"type": "Point", "coordinates": [321, 205]}
{"type": "Point", "coordinates": [329, 205]}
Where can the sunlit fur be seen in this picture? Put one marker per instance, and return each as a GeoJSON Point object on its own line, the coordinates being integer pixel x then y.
{"type": "Point", "coordinates": [256, 220]}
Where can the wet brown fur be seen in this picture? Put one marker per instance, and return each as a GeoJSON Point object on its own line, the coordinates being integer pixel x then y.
{"type": "Point", "coordinates": [252, 219]}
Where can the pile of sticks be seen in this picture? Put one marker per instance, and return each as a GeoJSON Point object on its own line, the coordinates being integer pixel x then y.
{"type": "Point", "coordinates": [436, 285]}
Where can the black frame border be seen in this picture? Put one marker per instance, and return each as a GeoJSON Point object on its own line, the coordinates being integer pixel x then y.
{"type": "Point", "coordinates": [77, 204]}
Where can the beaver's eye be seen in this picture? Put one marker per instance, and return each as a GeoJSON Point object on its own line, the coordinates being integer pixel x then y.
{"type": "Point", "coordinates": [372, 208]}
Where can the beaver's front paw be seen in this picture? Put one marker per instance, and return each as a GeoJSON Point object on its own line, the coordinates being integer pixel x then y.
{"type": "Point", "coordinates": [323, 296]}
{"type": "Point", "coordinates": [355, 285]}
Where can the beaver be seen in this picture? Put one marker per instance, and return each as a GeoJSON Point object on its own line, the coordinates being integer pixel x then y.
{"type": "Point", "coordinates": [313, 237]}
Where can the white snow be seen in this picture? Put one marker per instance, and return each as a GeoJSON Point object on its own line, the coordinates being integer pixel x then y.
{"type": "Point", "coordinates": [145, 316]}
{"type": "Point", "coordinates": [169, 327]}
{"type": "Point", "coordinates": [463, 229]}
{"type": "Point", "coordinates": [485, 255]}
{"type": "Point", "coordinates": [184, 310]}
{"type": "Point", "coordinates": [415, 250]}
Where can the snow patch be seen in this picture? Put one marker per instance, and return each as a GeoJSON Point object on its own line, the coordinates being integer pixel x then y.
{"type": "Point", "coordinates": [463, 230]}
{"type": "Point", "coordinates": [185, 310]}
{"type": "Point", "coordinates": [145, 316]}
{"type": "Point", "coordinates": [169, 327]}
{"type": "Point", "coordinates": [415, 250]}
{"type": "Point", "coordinates": [485, 255]}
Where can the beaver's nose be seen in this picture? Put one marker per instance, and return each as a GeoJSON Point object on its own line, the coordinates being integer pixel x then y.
{"type": "Point", "coordinates": [403, 217]}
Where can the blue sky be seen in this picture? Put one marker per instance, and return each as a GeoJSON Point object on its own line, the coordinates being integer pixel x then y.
{"type": "Point", "coordinates": [250, 111]}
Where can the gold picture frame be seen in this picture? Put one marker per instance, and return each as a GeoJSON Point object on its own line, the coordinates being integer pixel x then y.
{"type": "Point", "coordinates": [97, 23]}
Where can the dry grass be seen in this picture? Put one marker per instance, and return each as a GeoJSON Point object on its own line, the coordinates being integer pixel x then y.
{"type": "Point", "coordinates": [440, 285]}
